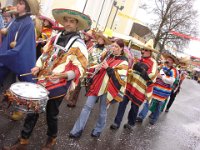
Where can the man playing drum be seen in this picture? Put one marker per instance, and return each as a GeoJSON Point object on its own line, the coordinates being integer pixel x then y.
{"type": "Point", "coordinates": [59, 68]}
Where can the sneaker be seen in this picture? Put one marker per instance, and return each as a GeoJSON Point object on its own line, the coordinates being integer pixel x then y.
{"type": "Point", "coordinates": [167, 110]}
{"type": "Point", "coordinates": [114, 126]}
{"type": "Point", "coordinates": [138, 119]}
{"type": "Point", "coordinates": [97, 135]}
{"type": "Point", "coordinates": [152, 122]}
{"type": "Point", "coordinates": [128, 126]}
{"type": "Point", "coordinates": [76, 135]}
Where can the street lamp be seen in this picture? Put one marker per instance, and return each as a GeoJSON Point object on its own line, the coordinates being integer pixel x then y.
{"type": "Point", "coordinates": [85, 6]}
{"type": "Point", "coordinates": [99, 15]}
{"type": "Point", "coordinates": [109, 15]}
{"type": "Point", "coordinates": [117, 8]}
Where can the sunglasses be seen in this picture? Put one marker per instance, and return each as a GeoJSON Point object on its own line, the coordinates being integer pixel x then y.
{"type": "Point", "coordinates": [145, 50]}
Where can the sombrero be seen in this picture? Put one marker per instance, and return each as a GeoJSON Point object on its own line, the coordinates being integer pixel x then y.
{"type": "Point", "coordinates": [48, 19]}
{"type": "Point", "coordinates": [100, 35]}
{"type": "Point", "coordinates": [58, 28]}
{"type": "Point", "coordinates": [84, 21]}
{"type": "Point", "coordinates": [184, 61]}
{"type": "Point", "coordinates": [34, 6]}
{"type": "Point", "coordinates": [149, 46]}
{"type": "Point", "coordinates": [10, 10]}
{"type": "Point", "coordinates": [167, 54]}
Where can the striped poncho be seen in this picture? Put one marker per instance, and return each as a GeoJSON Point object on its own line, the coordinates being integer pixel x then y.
{"type": "Point", "coordinates": [111, 80]}
{"type": "Point", "coordinates": [136, 89]}
{"type": "Point", "coordinates": [163, 86]}
{"type": "Point", "coordinates": [74, 59]}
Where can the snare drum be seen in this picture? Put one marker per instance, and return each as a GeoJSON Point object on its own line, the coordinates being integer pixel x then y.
{"type": "Point", "coordinates": [28, 97]}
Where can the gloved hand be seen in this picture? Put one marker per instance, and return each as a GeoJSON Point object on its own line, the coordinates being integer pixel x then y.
{"type": "Point", "coordinates": [140, 67]}
{"type": "Point", "coordinates": [145, 76]}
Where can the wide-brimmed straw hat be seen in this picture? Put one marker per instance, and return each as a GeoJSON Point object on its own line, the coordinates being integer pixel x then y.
{"type": "Point", "coordinates": [48, 19]}
{"type": "Point", "coordinates": [34, 6]}
{"type": "Point", "coordinates": [167, 55]}
{"type": "Point", "coordinates": [84, 21]}
{"type": "Point", "coordinates": [10, 10]}
{"type": "Point", "coordinates": [98, 35]}
{"type": "Point", "coordinates": [58, 28]}
{"type": "Point", "coordinates": [149, 46]}
{"type": "Point", "coordinates": [184, 61]}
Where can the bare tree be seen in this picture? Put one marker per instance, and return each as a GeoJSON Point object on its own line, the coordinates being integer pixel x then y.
{"type": "Point", "coordinates": [172, 15]}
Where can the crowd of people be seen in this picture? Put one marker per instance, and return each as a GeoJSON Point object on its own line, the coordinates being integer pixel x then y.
{"type": "Point", "coordinates": [64, 59]}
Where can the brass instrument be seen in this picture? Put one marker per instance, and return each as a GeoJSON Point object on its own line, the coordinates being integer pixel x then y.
{"type": "Point", "coordinates": [89, 80]}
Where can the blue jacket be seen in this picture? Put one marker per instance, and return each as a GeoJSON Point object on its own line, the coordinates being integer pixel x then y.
{"type": "Point", "coordinates": [22, 57]}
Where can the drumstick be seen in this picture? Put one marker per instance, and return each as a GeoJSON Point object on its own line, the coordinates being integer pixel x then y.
{"type": "Point", "coordinates": [43, 77]}
{"type": "Point", "coordinates": [25, 74]}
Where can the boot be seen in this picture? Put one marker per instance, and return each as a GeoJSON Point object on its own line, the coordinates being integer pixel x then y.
{"type": "Point", "coordinates": [21, 145]}
{"type": "Point", "coordinates": [50, 143]}
{"type": "Point", "coordinates": [17, 115]}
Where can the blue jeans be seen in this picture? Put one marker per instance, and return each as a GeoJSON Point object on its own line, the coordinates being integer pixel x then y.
{"type": "Point", "coordinates": [157, 111]}
{"type": "Point", "coordinates": [82, 120]}
{"type": "Point", "coordinates": [121, 110]}
{"type": "Point", "coordinates": [143, 113]}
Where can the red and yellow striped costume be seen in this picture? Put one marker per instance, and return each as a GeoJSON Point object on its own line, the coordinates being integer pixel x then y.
{"type": "Point", "coordinates": [111, 80]}
{"type": "Point", "coordinates": [75, 59]}
{"type": "Point", "coordinates": [136, 89]}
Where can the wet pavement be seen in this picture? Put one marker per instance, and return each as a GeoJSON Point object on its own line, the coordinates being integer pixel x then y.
{"type": "Point", "coordinates": [179, 129]}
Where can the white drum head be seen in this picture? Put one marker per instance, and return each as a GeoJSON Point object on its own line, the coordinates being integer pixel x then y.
{"type": "Point", "coordinates": [29, 90]}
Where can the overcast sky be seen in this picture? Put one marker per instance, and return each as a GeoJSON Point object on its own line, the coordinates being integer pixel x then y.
{"type": "Point", "coordinates": [194, 46]}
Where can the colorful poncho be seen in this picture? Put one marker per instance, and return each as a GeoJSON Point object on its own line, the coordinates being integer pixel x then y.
{"type": "Point", "coordinates": [163, 86]}
{"type": "Point", "coordinates": [111, 80]}
{"type": "Point", "coordinates": [136, 89]}
{"type": "Point", "coordinates": [75, 59]}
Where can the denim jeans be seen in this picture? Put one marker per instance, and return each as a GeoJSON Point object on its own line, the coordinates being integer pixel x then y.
{"type": "Point", "coordinates": [143, 113]}
{"type": "Point", "coordinates": [82, 120]}
{"type": "Point", "coordinates": [121, 110]}
{"type": "Point", "coordinates": [157, 111]}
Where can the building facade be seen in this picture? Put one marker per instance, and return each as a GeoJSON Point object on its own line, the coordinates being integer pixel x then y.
{"type": "Point", "coordinates": [104, 13]}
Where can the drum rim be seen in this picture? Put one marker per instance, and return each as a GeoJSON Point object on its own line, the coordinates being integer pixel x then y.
{"type": "Point", "coordinates": [28, 98]}
{"type": "Point", "coordinates": [42, 98]}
